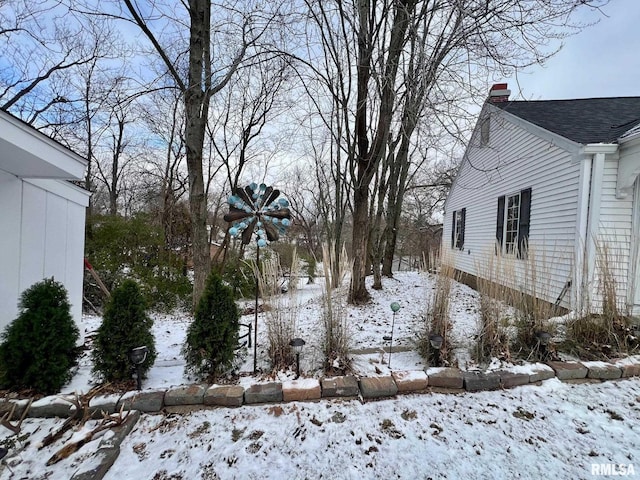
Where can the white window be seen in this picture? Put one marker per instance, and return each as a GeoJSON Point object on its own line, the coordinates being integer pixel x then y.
{"type": "Point", "coordinates": [457, 229]}
{"type": "Point", "coordinates": [511, 222]}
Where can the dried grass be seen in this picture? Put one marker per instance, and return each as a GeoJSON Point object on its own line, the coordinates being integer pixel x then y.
{"type": "Point", "coordinates": [335, 344]}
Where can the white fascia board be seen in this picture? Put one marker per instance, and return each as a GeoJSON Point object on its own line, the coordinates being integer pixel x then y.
{"type": "Point", "coordinates": [606, 148]}
{"type": "Point", "coordinates": [28, 153]}
{"type": "Point", "coordinates": [63, 189]}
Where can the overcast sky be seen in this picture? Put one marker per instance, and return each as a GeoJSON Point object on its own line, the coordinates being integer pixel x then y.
{"type": "Point", "coordinates": [601, 61]}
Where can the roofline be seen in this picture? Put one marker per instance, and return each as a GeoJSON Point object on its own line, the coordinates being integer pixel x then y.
{"type": "Point", "coordinates": [26, 127]}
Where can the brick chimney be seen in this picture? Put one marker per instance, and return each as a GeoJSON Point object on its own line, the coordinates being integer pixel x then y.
{"type": "Point", "coordinates": [499, 93]}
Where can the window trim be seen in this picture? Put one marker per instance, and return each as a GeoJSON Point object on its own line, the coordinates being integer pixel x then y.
{"type": "Point", "coordinates": [457, 228]}
{"type": "Point", "coordinates": [522, 232]}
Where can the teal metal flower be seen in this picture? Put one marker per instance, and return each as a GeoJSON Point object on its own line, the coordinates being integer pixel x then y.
{"type": "Point", "coordinates": [257, 208]}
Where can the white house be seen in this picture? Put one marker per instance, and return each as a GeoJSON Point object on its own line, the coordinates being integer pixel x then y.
{"type": "Point", "coordinates": [550, 188]}
{"type": "Point", "coordinates": [42, 215]}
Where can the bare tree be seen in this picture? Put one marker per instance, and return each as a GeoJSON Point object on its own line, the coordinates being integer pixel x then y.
{"type": "Point", "coordinates": [47, 44]}
{"type": "Point", "coordinates": [457, 41]}
{"type": "Point", "coordinates": [207, 74]}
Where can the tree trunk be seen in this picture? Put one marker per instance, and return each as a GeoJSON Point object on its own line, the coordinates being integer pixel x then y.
{"type": "Point", "coordinates": [196, 110]}
{"type": "Point", "coordinates": [358, 292]}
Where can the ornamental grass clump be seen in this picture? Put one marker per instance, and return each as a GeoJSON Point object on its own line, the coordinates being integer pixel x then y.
{"type": "Point", "coordinates": [492, 340]}
{"type": "Point", "coordinates": [438, 319]}
{"type": "Point", "coordinates": [283, 307]}
{"type": "Point", "coordinates": [335, 339]}
{"type": "Point", "coordinates": [125, 326]}
{"type": "Point", "coordinates": [38, 348]}
{"type": "Point", "coordinates": [212, 337]}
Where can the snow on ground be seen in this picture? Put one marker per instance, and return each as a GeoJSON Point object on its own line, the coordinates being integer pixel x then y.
{"type": "Point", "coordinates": [554, 430]}
{"type": "Point", "coordinates": [368, 325]}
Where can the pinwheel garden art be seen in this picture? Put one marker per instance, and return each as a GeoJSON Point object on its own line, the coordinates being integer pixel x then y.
{"type": "Point", "coordinates": [257, 209]}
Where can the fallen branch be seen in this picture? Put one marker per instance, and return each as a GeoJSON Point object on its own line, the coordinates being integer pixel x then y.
{"type": "Point", "coordinates": [5, 421]}
{"type": "Point", "coordinates": [107, 422]}
{"type": "Point", "coordinates": [80, 416]}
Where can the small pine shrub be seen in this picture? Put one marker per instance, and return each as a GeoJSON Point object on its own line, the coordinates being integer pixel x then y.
{"type": "Point", "coordinates": [125, 326]}
{"type": "Point", "coordinates": [213, 335]}
{"type": "Point", "coordinates": [39, 347]}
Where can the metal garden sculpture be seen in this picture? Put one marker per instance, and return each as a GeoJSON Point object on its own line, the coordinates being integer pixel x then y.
{"type": "Point", "coordinates": [257, 208]}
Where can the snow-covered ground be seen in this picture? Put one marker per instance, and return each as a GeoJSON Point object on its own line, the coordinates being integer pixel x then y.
{"type": "Point", "coordinates": [556, 430]}
{"type": "Point", "coordinates": [368, 325]}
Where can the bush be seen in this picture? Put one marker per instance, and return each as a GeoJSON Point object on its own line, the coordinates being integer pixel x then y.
{"type": "Point", "coordinates": [213, 335]}
{"type": "Point", "coordinates": [120, 248]}
{"type": "Point", "coordinates": [39, 347]}
{"type": "Point", "coordinates": [239, 275]}
{"type": "Point", "coordinates": [125, 326]}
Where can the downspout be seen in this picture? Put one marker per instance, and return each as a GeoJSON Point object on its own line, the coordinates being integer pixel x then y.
{"type": "Point", "coordinates": [582, 228]}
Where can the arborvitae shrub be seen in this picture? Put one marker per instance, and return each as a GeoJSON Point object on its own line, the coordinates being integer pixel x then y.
{"type": "Point", "coordinates": [125, 326]}
{"type": "Point", "coordinates": [39, 347]}
{"type": "Point", "coordinates": [213, 334]}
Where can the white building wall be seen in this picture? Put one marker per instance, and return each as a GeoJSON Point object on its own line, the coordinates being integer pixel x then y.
{"type": "Point", "coordinates": [516, 159]}
{"type": "Point", "coordinates": [613, 245]}
{"type": "Point", "coordinates": [10, 211]}
{"type": "Point", "coordinates": [43, 237]}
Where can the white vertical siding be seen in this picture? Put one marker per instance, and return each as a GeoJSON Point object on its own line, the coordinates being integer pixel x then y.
{"type": "Point", "coordinates": [613, 250]}
{"type": "Point", "coordinates": [43, 237]}
{"type": "Point", "coordinates": [516, 159]}
{"type": "Point", "coordinates": [32, 235]}
{"type": "Point", "coordinates": [10, 213]}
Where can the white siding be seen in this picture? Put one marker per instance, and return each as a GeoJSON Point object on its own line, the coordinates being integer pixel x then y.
{"type": "Point", "coordinates": [43, 236]}
{"type": "Point", "coordinates": [10, 213]}
{"type": "Point", "coordinates": [614, 236]}
{"type": "Point", "coordinates": [516, 159]}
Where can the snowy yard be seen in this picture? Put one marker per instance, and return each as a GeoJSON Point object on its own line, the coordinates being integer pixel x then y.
{"type": "Point", "coordinates": [368, 325]}
{"type": "Point", "coordinates": [554, 430]}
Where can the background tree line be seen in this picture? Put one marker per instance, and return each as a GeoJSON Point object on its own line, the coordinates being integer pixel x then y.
{"type": "Point", "coordinates": [356, 109]}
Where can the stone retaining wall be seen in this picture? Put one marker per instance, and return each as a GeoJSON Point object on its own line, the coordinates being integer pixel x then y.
{"type": "Point", "coordinates": [398, 382]}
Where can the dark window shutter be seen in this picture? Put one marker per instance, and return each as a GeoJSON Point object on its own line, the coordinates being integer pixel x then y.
{"type": "Point", "coordinates": [523, 227]}
{"type": "Point", "coordinates": [500, 224]}
{"type": "Point", "coordinates": [453, 230]}
{"type": "Point", "coordinates": [463, 216]}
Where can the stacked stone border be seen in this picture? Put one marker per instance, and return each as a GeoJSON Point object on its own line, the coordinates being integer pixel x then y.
{"type": "Point", "coordinates": [184, 398]}
{"type": "Point", "coordinates": [446, 380]}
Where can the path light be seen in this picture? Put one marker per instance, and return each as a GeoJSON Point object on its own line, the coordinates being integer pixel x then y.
{"type": "Point", "coordinates": [137, 356]}
{"type": "Point", "coordinates": [543, 341]}
{"type": "Point", "coordinates": [436, 341]}
{"type": "Point", "coordinates": [395, 306]}
{"type": "Point", "coordinates": [543, 337]}
{"type": "Point", "coordinates": [297, 344]}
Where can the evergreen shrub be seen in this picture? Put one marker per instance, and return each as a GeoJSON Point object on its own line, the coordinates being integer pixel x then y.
{"type": "Point", "coordinates": [125, 326]}
{"type": "Point", "coordinates": [213, 335]}
{"type": "Point", "coordinates": [38, 348]}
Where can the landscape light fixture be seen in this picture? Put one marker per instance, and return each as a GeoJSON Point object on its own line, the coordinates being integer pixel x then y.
{"type": "Point", "coordinates": [297, 344]}
{"type": "Point", "coordinates": [137, 356]}
{"type": "Point", "coordinates": [543, 344]}
{"type": "Point", "coordinates": [543, 338]}
{"type": "Point", "coordinates": [436, 341]}
{"type": "Point", "coordinates": [395, 306]}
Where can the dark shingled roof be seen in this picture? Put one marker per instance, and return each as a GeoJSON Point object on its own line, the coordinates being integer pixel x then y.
{"type": "Point", "coordinates": [587, 120]}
